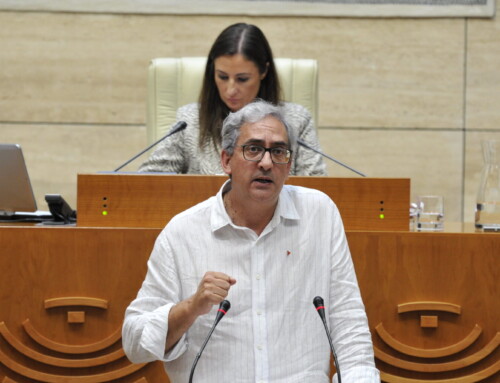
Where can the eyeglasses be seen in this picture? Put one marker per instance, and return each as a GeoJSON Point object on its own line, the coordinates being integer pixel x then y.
{"type": "Point", "coordinates": [256, 153]}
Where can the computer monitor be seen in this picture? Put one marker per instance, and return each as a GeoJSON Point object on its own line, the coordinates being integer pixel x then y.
{"type": "Point", "coordinates": [16, 193]}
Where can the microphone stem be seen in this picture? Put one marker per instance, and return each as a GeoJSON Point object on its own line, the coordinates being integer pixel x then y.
{"type": "Point", "coordinates": [179, 126]}
{"type": "Point", "coordinates": [333, 350]}
{"type": "Point", "coordinates": [330, 158]}
{"type": "Point", "coordinates": [201, 350]}
{"type": "Point", "coordinates": [223, 308]}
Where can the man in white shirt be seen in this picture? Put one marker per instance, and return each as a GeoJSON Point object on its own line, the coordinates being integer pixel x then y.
{"type": "Point", "coordinates": [270, 249]}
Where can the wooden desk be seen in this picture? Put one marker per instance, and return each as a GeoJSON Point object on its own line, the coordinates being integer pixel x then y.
{"type": "Point", "coordinates": [432, 301]}
{"type": "Point", "coordinates": [151, 200]}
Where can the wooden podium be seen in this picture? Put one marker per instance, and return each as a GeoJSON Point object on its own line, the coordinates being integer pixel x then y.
{"type": "Point", "coordinates": [432, 299]}
{"type": "Point", "coordinates": [148, 200]}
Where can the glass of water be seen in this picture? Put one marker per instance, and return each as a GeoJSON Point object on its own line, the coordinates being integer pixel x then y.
{"type": "Point", "coordinates": [430, 213]}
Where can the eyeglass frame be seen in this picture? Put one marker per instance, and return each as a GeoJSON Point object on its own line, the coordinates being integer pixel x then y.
{"type": "Point", "coordinates": [288, 152]}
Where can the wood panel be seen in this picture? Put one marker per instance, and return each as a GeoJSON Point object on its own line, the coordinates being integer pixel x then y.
{"type": "Point", "coordinates": [149, 200]}
{"type": "Point", "coordinates": [47, 273]}
{"type": "Point", "coordinates": [407, 279]}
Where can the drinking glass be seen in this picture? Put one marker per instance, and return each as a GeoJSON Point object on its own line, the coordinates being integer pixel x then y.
{"type": "Point", "coordinates": [430, 213]}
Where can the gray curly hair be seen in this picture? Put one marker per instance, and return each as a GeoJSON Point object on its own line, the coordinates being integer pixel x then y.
{"type": "Point", "coordinates": [254, 112]}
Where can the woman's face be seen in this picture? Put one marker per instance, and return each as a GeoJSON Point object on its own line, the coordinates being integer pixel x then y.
{"type": "Point", "coordinates": [237, 79]}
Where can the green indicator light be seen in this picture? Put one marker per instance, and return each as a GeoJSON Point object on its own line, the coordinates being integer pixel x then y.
{"type": "Point", "coordinates": [382, 216]}
{"type": "Point", "coordinates": [104, 212]}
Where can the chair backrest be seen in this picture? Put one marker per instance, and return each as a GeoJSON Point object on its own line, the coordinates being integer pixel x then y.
{"type": "Point", "coordinates": [174, 82]}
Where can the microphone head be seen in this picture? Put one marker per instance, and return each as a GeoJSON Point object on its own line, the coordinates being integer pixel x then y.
{"type": "Point", "coordinates": [318, 302]}
{"type": "Point", "coordinates": [225, 306]}
{"type": "Point", "coordinates": [181, 125]}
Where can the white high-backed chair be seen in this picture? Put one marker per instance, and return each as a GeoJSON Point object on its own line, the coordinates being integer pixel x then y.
{"type": "Point", "coordinates": [174, 82]}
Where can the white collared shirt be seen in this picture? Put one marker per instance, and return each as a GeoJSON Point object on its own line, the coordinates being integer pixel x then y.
{"type": "Point", "coordinates": [272, 333]}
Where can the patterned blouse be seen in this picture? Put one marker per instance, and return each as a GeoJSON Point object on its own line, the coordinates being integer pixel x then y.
{"type": "Point", "coordinates": [181, 153]}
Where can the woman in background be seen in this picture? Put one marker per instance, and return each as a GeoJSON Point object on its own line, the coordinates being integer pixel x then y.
{"type": "Point", "coordinates": [240, 68]}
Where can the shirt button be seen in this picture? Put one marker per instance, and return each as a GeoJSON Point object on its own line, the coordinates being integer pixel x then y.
{"type": "Point", "coordinates": [257, 276]}
{"type": "Point", "coordinates": [259, 347]}
{"type": "Point", "coordinates": [259, 312]}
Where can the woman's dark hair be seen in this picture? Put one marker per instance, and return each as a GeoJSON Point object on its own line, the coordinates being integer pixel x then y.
{"type": "Point", "coordinates": [249, 41]}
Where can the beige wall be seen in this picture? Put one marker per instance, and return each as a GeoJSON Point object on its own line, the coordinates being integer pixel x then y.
{"type": "Point", "coordinates": [398, 97]}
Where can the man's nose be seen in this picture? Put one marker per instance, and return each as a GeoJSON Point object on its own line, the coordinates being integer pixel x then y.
{"type": "Point", "coordinates": [266, 162]}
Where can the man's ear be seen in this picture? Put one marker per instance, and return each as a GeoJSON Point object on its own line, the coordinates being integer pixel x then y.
{"type": "Point", "coordinates": [225, 160]}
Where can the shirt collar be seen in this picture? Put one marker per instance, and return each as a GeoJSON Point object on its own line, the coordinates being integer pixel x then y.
{"type": "Point", "coordinates": [285, 208]}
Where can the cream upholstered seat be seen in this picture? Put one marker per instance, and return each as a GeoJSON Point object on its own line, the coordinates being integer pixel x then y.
{"type": "Point", "coordinates": [174, 82]}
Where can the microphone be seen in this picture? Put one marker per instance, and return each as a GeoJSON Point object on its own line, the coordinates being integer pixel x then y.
{"type": "Point", "coordinates": [320, 308]}
{"type": "Point", "coordinates": [181, 125]}
{"type": "Point", "coordinates": [223, 309]}
{"type": "Point", "coordinates": [302, 143]}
